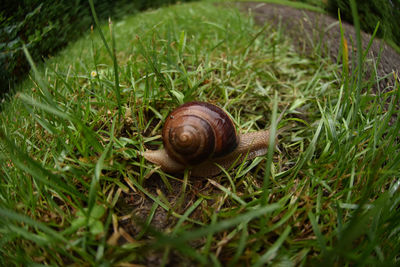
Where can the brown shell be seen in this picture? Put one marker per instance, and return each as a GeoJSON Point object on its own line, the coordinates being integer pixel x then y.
{"type": "Point", "coordinates": [197, 131]}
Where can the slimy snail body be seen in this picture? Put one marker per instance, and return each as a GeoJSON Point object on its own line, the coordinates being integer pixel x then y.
{"type": "Point", "coordinates": [200, 136]}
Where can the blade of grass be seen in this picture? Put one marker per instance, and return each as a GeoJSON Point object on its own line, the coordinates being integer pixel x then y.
{"type": "Point", "coordinates": [228, 192]}
{"type": "Point", "coordinates": [271, 149]}
{"type": "Point", "coordinates": [42, 84]}
{"type": "Point", "coordinates": [88, 133]}
{"type": "Point", "coordinates": [219, 226]}
{"type": "Point", "coordinates": [112, 54]}
{"type": "Point", "coordinates": [272, 251]}
{"type": "Point", "coordinates": [13, 216]}
{"type": "Point", "coordinates": [356, 22]}
{"type": "Point", "coordinates": [131, 181]}
{"type": "Point", "coordinates": [241, 246]}
{"type": "Point", "coordinates": [94, 185]}
{"type": "Point", "coordinates": [317, 232]}
{"type": "Point", "coordinates": [116, 71]}
{"type": "Point", "coordinates": [27, 164]}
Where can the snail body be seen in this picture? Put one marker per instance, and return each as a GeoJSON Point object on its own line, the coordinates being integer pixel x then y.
{"type": "Point", "coordinates": [200, 136]}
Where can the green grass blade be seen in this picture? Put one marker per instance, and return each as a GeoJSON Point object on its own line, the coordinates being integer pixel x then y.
{"type": "Point", "coordinates": [317, 232]}
{"type": "Point", "coordinates": [18, 218]}
{"type": "Point", "coordinates": [271, 149]}
{"type": "Point", "coordinates": [356, 22]}
{"type": "Point", "coordinates": [219, 226]}
{"type": "Point", "coordinates": [116, 71]}
{"type": "Point", "coordinates": [272, 251]}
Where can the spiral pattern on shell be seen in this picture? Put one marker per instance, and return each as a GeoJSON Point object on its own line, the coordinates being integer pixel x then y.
{"type": "Point", "coordinates": [197, 131]}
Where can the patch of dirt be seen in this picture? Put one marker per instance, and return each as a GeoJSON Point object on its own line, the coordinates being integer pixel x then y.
{"type": "Point", "coordinates": [134, 208]}
{"type": "Point", "coordinates": [307, 29]}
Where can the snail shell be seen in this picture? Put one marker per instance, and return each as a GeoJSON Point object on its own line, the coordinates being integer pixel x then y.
{"type": "Point", "coordinates": [202, 137]}
{"type": "Point", "coordinates": [197, 131]}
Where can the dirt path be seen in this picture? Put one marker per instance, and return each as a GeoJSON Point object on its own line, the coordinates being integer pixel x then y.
{"type": "Point", "coordinates": [307, 28]}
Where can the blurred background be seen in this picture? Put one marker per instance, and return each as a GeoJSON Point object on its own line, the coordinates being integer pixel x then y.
{"type": "Point", "coordinates": [46, 26]}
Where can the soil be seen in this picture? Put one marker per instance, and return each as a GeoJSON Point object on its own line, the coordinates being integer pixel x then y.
{"type": "Point", "coordinates": [310, 30]}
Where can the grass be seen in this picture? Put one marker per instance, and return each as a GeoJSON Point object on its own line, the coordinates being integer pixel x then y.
{"type": "Point", "coordinates": [74, 189]}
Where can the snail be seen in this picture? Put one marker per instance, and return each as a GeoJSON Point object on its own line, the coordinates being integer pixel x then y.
{"type": "Point", "coordinates": [200, 136]}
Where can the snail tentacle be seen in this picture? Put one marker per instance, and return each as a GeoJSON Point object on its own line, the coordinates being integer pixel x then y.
{"type": "Point", "coordinates": [161, 158]}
